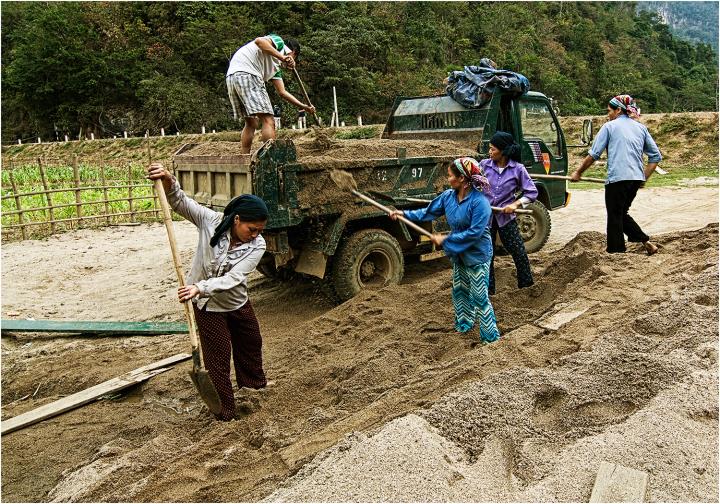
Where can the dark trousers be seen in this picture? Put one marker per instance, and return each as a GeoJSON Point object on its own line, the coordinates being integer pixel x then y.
{"type": "Point", "coordinates": [223, 333]}
{"type": "Point", "coordinates": [618, 198]}
{"type": "Point", "coordinates": [513, 243]}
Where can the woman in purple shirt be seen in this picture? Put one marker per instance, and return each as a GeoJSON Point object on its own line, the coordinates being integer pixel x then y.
{"type": "Point", "coordinates": [508, 178]}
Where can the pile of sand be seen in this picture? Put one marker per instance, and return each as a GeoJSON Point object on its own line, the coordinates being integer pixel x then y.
{"type": "Point", "coordinates": [318, 148]}
{"type": "Point", "coordinates": [638, 360]}
{"type": "Point", "coordinates": [644, 396]}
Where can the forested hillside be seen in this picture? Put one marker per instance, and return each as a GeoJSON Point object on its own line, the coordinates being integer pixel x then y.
{"type": "Point", "coordinates": [105, 67]}
{"type": "Point", "coordinates": [694, 21]}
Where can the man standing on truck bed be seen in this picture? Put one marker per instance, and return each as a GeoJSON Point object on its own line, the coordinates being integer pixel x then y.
{"type": "Point", "coordinates": [250, 68]}
{"type": "Point", "coordinates": [625, 140]}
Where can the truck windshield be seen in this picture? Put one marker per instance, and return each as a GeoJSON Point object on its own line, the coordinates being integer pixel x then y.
{"type": "Point", "coordinates": [538, 124]}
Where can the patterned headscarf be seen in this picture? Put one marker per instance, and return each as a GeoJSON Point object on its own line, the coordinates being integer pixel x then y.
{"type": "Point", "coordinates": [627, 103]}
{"type": "Point", "coordinates": [471, 170]}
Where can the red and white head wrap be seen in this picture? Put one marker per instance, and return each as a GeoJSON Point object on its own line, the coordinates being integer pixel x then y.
{"type": "Point", "coordinates": [626, 103]}
{"type": "Point", "coordinates": [471, 170]}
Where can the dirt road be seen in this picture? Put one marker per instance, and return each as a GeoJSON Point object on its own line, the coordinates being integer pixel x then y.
{"type": "Point", "coordinates": [373, 359]}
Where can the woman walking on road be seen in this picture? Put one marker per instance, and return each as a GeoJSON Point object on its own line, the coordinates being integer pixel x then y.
{"type": "Point", "coordinates": [468, 245]}
{"type": "Point", "coordinates": [626, 140]}
{"type": "Point", "coordinates": [229, 249]}
{"type": "Point", "coordinates": [508, 177]}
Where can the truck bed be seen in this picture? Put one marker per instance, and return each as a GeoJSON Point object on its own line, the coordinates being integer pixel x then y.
{"type": "Point", "coordinates": [318, 150]}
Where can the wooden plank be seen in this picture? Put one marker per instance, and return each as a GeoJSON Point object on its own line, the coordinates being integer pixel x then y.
{"type": "Point", "coordinates": [555, 320]}
{"type": "Point", "coordinates": [616, 483]}
{"type": "Point", "coordinates": [88, 395]}
{"type": "Point", "coordinates": [94, 327]}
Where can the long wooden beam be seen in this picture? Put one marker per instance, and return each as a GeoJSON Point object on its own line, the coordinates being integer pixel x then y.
{"type": "Point", "coordinates": [94, 327]}
{"type": "Point", "coordinates": [88, 395]}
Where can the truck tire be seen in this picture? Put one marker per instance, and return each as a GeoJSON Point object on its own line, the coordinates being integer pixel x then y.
{"type": "Point", "coordinates": [368, 259]}
{"type": "Point", "coordinates": [266, 266]}
{"type": "Point", "coordinates": [535, 228]}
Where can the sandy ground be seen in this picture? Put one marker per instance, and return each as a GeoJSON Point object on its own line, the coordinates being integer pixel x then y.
{"type": "Point", "coordinates": [605, 358]}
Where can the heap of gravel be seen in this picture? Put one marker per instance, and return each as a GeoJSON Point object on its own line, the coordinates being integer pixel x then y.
{"type": "Point", "coordinates": [644, 396]}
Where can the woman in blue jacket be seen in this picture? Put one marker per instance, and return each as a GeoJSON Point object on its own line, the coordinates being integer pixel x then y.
{"type": "Point", "coordinates": [468, 245]}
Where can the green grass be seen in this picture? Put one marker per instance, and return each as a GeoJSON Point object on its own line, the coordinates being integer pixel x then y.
{"type": "Point", "coordinates": [676, 174]}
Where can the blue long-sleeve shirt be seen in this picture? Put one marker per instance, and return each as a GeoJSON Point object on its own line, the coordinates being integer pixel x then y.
{"type": "Point", "coordinates": [625, 140]}
{"type": "Point", "coordinates": [469, 241]}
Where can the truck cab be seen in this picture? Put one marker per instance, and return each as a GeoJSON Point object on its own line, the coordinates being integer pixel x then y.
{"type": "Point", "coordinates": [531, 120]}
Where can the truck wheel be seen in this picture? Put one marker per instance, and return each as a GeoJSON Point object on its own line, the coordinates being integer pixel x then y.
{"type": "Point", "coordinates": [535, 228]}
{"type": "Point", "coordinates": [368, 259]}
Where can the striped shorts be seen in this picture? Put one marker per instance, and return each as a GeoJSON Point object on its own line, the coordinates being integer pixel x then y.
{"type": "Point", "coordinates": [248, 95]}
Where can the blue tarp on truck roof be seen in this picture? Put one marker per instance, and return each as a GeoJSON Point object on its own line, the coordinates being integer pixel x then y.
{"type": "Point", "coordinates": [475, 85]}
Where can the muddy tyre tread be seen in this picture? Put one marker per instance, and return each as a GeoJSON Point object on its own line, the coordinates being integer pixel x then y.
{"type": "Point", "coordinates": [349, 257]}
{"type": "Point", "coordinates": [544, 225]}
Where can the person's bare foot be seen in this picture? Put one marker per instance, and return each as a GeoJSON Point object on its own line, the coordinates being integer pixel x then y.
{"type": "Point", "coordinates": [650, 248]}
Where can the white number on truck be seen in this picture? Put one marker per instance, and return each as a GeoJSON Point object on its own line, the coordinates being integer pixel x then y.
{"type": "Point", "coordinates": [382, 175]}
{"type": "Point", "coordinates": [417, 172]}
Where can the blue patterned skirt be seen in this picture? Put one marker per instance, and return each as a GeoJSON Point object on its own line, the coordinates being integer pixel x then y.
{"type": "Point", "coordinates": [471, 300]}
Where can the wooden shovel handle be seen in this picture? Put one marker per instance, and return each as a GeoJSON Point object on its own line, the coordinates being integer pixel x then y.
{"type": "Point", "coordinates": [167, 219]}
{"type": "Point", "coordinates": [390, 210]}
{"type": "Point", "coordinates": [307, 98]}
{"type": "Point", "coordinates": [493, 208]}
{"type": "Point", "coordinates": [565, 177]}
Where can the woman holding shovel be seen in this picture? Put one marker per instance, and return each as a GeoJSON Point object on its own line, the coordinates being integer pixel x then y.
{"type": "Point", "coordinates": [468, 245]}
{"type": "Point", "coordinates": [508, 178]}
{"type": "Point", "coordinates": [229, 249]}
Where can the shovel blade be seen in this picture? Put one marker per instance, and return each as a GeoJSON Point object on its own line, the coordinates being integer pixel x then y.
{"type": "Point", "coordinates": [206, 389]}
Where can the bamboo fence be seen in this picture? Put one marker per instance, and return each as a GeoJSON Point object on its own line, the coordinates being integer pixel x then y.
{"type": "Point", "coordinates": [41, 221]}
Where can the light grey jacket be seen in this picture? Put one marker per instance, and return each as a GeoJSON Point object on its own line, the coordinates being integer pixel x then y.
{"type": "Point", "coordinates": [219, 273]}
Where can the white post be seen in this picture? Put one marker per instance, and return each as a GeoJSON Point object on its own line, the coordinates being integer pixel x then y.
{"type": "Point", "coordinates": [124, 134]}
{"type": "Point", "coordinates": [342, 123]}
{"type": "Point", "coordinates": [66, 138]}
{"type": "Point", "coordinates": [19, 142]}
{"type": "Point", "coordinates": [359, 120]}
{"type": "Point", "coordinates": [92, 136]}
{"type": "Point", "coordinates": [39, 141]}
{"type": "Point", "coordinates": [147, 134]}
{"type": "Point", "coordinates": [213, 132]}
{"type": "Point", "coordinates": [202, 131]}
{"type": "Point", "coordinates": [337, 116]}
{"type": "Point", "coordinates": [177, 133]}
{"type": "Point", "coordinates": [162, 131]}
{"type": "Point", "coordinates": [293, 128]}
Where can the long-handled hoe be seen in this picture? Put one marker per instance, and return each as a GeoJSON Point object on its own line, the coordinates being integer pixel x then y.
{"type": "Point", "coordinates": [199, 376]}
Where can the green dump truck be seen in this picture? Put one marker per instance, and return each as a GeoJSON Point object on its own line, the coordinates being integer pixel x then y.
{"type": "Point", "coordinates": [316, 229]}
